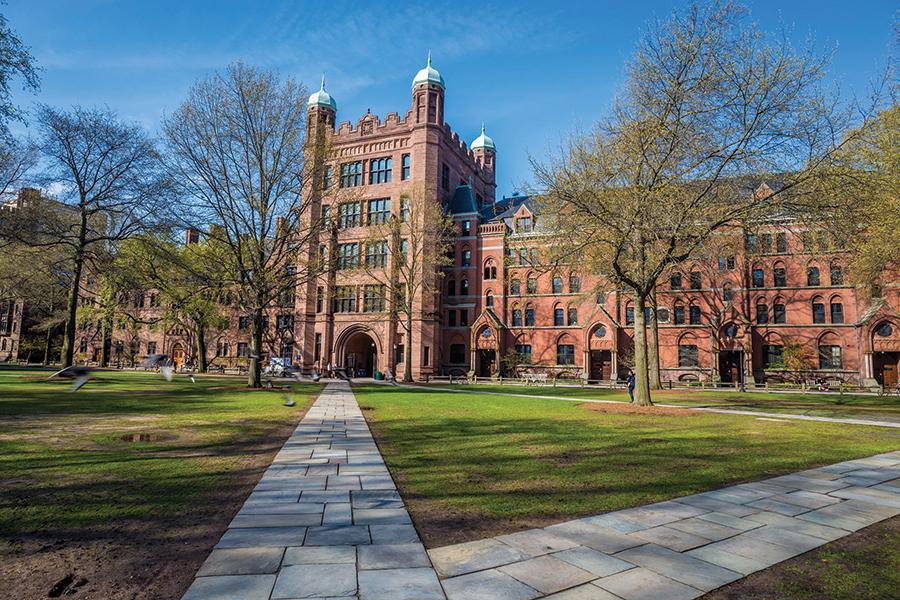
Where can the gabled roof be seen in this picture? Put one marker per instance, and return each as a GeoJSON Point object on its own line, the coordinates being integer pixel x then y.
{"type": "Point", "coordinates": [506, 208]}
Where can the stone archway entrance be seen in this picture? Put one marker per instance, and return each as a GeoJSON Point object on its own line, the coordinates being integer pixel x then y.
{"type": "Point", "coordinates": [360, 355]}
{"type": "Point", "coordinates": [178, 355]}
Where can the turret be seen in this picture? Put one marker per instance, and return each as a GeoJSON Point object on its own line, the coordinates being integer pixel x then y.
{"type": "Point", "coordinates": [484, 150]}
{"type": "Point", "coordinates": [321, 109]}
{"type": "Point", "coordinates": [428, 95]}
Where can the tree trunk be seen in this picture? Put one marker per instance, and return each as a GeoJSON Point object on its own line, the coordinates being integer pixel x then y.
{"type": "Point", "coordinates": [71, 312]}
{"type": "Point", "coordinates": [202, 364]}
{"type": "Point", "coordinates": [254, 377]}
{"type": "Point", "coordinates": [48, 342]}
{"type": "Point", "coordinates": [106, 340]}
{"type": "Point", "coordinates": [641, 377]}
{"type": "Point", "coordinates": [653, 345]}
{"type": "Point", "coordinates": [407, 357]}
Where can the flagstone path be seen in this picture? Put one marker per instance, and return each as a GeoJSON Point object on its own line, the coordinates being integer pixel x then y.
{"type": "Point", "coordinates": [326, 521]}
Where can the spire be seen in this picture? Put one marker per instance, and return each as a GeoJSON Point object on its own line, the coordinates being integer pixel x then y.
{"type": "Point", "coordinates": [429, 57]}
{"type": "Point", "coordinates": [428, 74]}
{"type": "Point", "coordinates": [322, 98]}
{"type": "Point", "coordinates": [322, 88]}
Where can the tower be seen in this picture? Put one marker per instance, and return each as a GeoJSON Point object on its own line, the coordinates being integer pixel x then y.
{"type": "Point", "coordinates": [321, 110]}
{"type": "Point", "coordinates": [484, 150]}
{"type": "Point", "coordinates": [428, 95]}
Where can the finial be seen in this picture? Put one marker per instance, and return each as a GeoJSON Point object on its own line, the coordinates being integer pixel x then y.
{"type": "Point", "coordinates": [429, 57]}
{"type": "Point", "coordinates": [323, 83]}
{"type": "Point", "coordinates": [482, 128]}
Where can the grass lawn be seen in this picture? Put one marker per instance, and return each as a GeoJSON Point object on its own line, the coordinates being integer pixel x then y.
{"type": "Point", "coordinates": [126, 484]}
{"type": "Point", "coordinates": [473, 465]}
{"type": "Point", "coordinates": [858, 406]}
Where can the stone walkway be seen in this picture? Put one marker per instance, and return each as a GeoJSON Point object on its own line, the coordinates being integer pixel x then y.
{"type": "Point", "coordinates": [679, 549]}
{"type": "Point", "coordinates": [325, 521]}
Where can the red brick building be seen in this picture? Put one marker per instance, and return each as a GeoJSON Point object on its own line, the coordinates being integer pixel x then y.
{"type": "Point", "coordinates": [738, 312]}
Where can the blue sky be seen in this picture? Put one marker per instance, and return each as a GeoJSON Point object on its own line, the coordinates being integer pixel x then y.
{"type": "Point", "coordinates": [531, 70]}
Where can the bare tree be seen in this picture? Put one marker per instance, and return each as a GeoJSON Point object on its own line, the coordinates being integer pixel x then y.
{"type": "Point", "coordinates": [16, 61]}
{"type": "Point", "coordinates": [711, 107]}
{"type": "Point", "coordinates": [419, 237]}
{"type": "Point", "coordinates": [109, 184]}
{"type": "Point", "coordinates": [237, 152]}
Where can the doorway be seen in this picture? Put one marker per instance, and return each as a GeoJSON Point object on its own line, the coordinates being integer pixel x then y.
{"type": "Point", "coordinates": [601, 365]}
{"type": "Point", "coordinates": [486, 362]}
{"type": "Point", "coordinates": [885, 366]}
{"type": "Point", "coordinates": [177, 356]}
{"type": "Point", "coordinates": [729, 366]}
{"type": "Point", "coordinates": [360, 355]}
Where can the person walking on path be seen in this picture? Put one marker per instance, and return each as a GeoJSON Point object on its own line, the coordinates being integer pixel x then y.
{"type": "Point", "coordinates": [631, 386]}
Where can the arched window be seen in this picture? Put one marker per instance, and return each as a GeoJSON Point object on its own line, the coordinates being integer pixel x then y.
{"type": "Point", "coordinates": [629, 314]}
{"type": "Point", "coordinates": [813, 278]}
{"type": "Point", "coordinates": [574, 283]}
{"type": "Point", "coordinates": [818, 310]}
{"type": "Point", "coordinates": [727, 292]}
{"type": "Point", "coordinates": [772, 352]}
{"type": "Point", "coordinates": [515, 287]}
{"type": "Point", "coordinates": [489, 299]}
{"type": "Point", "coordinates": [678, 310]}
{"type": "Point", "coordinates": [565, 351]}
{"type": "Point", "coordinates": [451, 287]}
{"type": "Point", "coordinates": [572, 316]}
{"type": "Point", "coordinates": [779, 312]}
{"type": "Point", "coordinates": [695, 314]}
{"type": "Point", "coordinates": [490, 269]}
{"type": "Point", "coordinates": [529, 316]}
{"type": "Point", "coordinates": [780, 274]}
{"type": "Point", "coordinates": [696, 280]}
{"type": "Point", "coordinates": [837, 274]}
{"type": "Point", "coordinates": [531, 284]}
{"type": "Point", "coordinates": [762, 312]}
{"type": "Point", "coordinates": [758, 277]}
{"type": "Point", "coordinates": [830, 352]}
{"type": "Point", "coordinates": [559, 316]}
{"type": "Point", "coordinates": [837, 310]}
{"type": "Point", "coordinates": [516, 316]}
{"type": "Point", "coordinates": [464, 287]}
{"type": "Point", "coordinates": [466, 258]}
{"type": "Point", "coordinates": [688, 352]}
{"type": "Point", "coordinates": [557, 284]}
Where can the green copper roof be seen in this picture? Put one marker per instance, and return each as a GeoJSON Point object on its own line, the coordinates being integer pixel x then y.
{"type": "Point", "coordinates": [428, 75]}
{"type": "Point", "coordinates": [483, 141]}
{"type": "Point", "coordinates": [322, 98]}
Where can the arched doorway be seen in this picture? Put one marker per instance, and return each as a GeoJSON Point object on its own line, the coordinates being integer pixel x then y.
{"type": "Point", "coordinates": [178, 355]}
{"type": "Point", "coordinates": [360, 355]}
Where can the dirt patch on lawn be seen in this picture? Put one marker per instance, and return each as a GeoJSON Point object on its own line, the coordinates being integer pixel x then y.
{"type": "Point", "coordinates": [139, 559]}
{"type": "Point", "coordinates": [631, 409]}
{"type": "Point", "coordinates": [862, 566]}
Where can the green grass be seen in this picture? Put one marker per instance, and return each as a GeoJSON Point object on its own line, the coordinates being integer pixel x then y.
{"type": "Point", "coordinates": [859, 406]}
{"type": "Point", "coordinates": [518, 461]}
{"type": "Point", "coordinates": [65, 467]}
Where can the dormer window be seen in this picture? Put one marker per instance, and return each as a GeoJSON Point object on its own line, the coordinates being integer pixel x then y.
{"type": "Point", "coordinates": [524, 225]}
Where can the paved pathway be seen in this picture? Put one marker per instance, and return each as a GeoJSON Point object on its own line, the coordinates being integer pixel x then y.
{"type": "Point", "coordinates": [325, 521]}
{"type": "Point", "coordinates": [678, 549]}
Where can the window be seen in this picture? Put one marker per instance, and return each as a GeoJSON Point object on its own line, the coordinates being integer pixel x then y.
{"type": "Point", "coordinates": [572, 317]}
{"type": "Point", "coordinates": [759, 278]}
{"type": "Point", "coordinates": [515, 287]}
{"type": "Point", "coordinates": [837, 275]}
{"type": "Point", "coordinates": [379, 211]}
{"type": "Point", "coordinates": [490, 270]}
{"type": "Point", "coordinates": [688, 355]}
{"type": "Point", "coordinates": [812, 276]}
{"type": "Point", "coordinates": [404, 167]}
{"type": "Point", "coordinates": [629, 315]}
{"type": "Point", "coordinates": [675, 281]}
{"type": "Point", "coordinates": [558, 317]}
{"type": "Point", "coordinates": [284, 322]}
{"type": "Point", "coordinates": [762, 313]}
{"type": "Point", "coordinates": [348, 215]}
{"type": "Point", "coordinates": [751, 243]}
{"type": "Point", "coordinates": [818, 312]}
{"type": "Point", "coordinates": [466, 258]}
{"type": "Point", "coordinates": [463, 318]}
{"type": "Point", "coordinates": [523, 225]}
{"type": "Point", "coordinates": [376, 254]}
{"type": "Point", "coordinates": [726, 263]}
{"type": "Point", "coordinates": [694, 314]}
{"type": "Point", "coordinates": [329, 176]}
{"type": "Point", "coordinates": [557, 284]}
{"type": "Point", "coordinates": [451, 318]}
{"type": "Point", "coordinates": [243, 350]}
{"type": "Point", "coordinates": [529, 316]}
{"type": "Point", "coordinates": [466, 228]}
{"type": "Point", "coordinates": [82, 345]}
{"type": "Point", "coordinates": [837, 312]}
{"type": "Point", "coordinates": [489, 300]}
{"type": "Point", "coordinates": [524, 352]}
{"type": "Point", "coordinates": [531, 285]}
{"type": "Point", "coordinates": [781, 242]}
{"type": "Point", "coordinates": [426, 355]}
{"type": "Point", "coordinates": [721, 263]}
{"type": "Point", "coordinates": [373, 298]}
{"type": "Point", "coordinates": [317, 355]}
{"type": "Point", "coordinates": [151, 347]}
{"type": "Point", "coordinates": [348, 256]}
{"type": "Point", "coordinates": [533, 256]}
{"type": "Point", "coordinates": [696, 280]}
{"type": "Point", "coordinates": [830, 357]}
{"type": "Point", "coordinates": [243, 323]}
{"type": "Point", "coordinates": [345, 299]}
{"type": "Point", "coordinates": [464, 287]}
{"type": "Point", "coordinates": [517, 317]}
{"type": "Point", "coordinates": [884, 330]}
{"type": "Point", "coordinates": [445, 177]}
{"type": "Point", "coordinates": [574, 284]}
{"type": "Point", "coordinates": [457, 354]}
{"type": "Point", "coordinates": [565, 354]}
{"type": "Point", "coordinates": [323, 255]}
{"type": "Point", "coordinates": [772, 356]}
{"type": "Point", "coordinates": [679, 314]}
{"type": "Point", "coordinates": [351, 174]}
{"type": "Point", "coordinates": [780, 277]}
{"type": "Point", "coordinates": [523, 256]}
{"type": "Point", "coordinates": [404, 210]}
{"type": "Point", "coordinates": [765, 242]}
{"type": "Point", "coordinates": [451, 287]}
{"type": "Point", "coordinates": [727, 293]}
{"type": "Point", "coordinates": [380, 170]}
{"type": "Point", "coordinates": [779, 313]}
{"type": "Point", "coordinates": [320, 298]}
